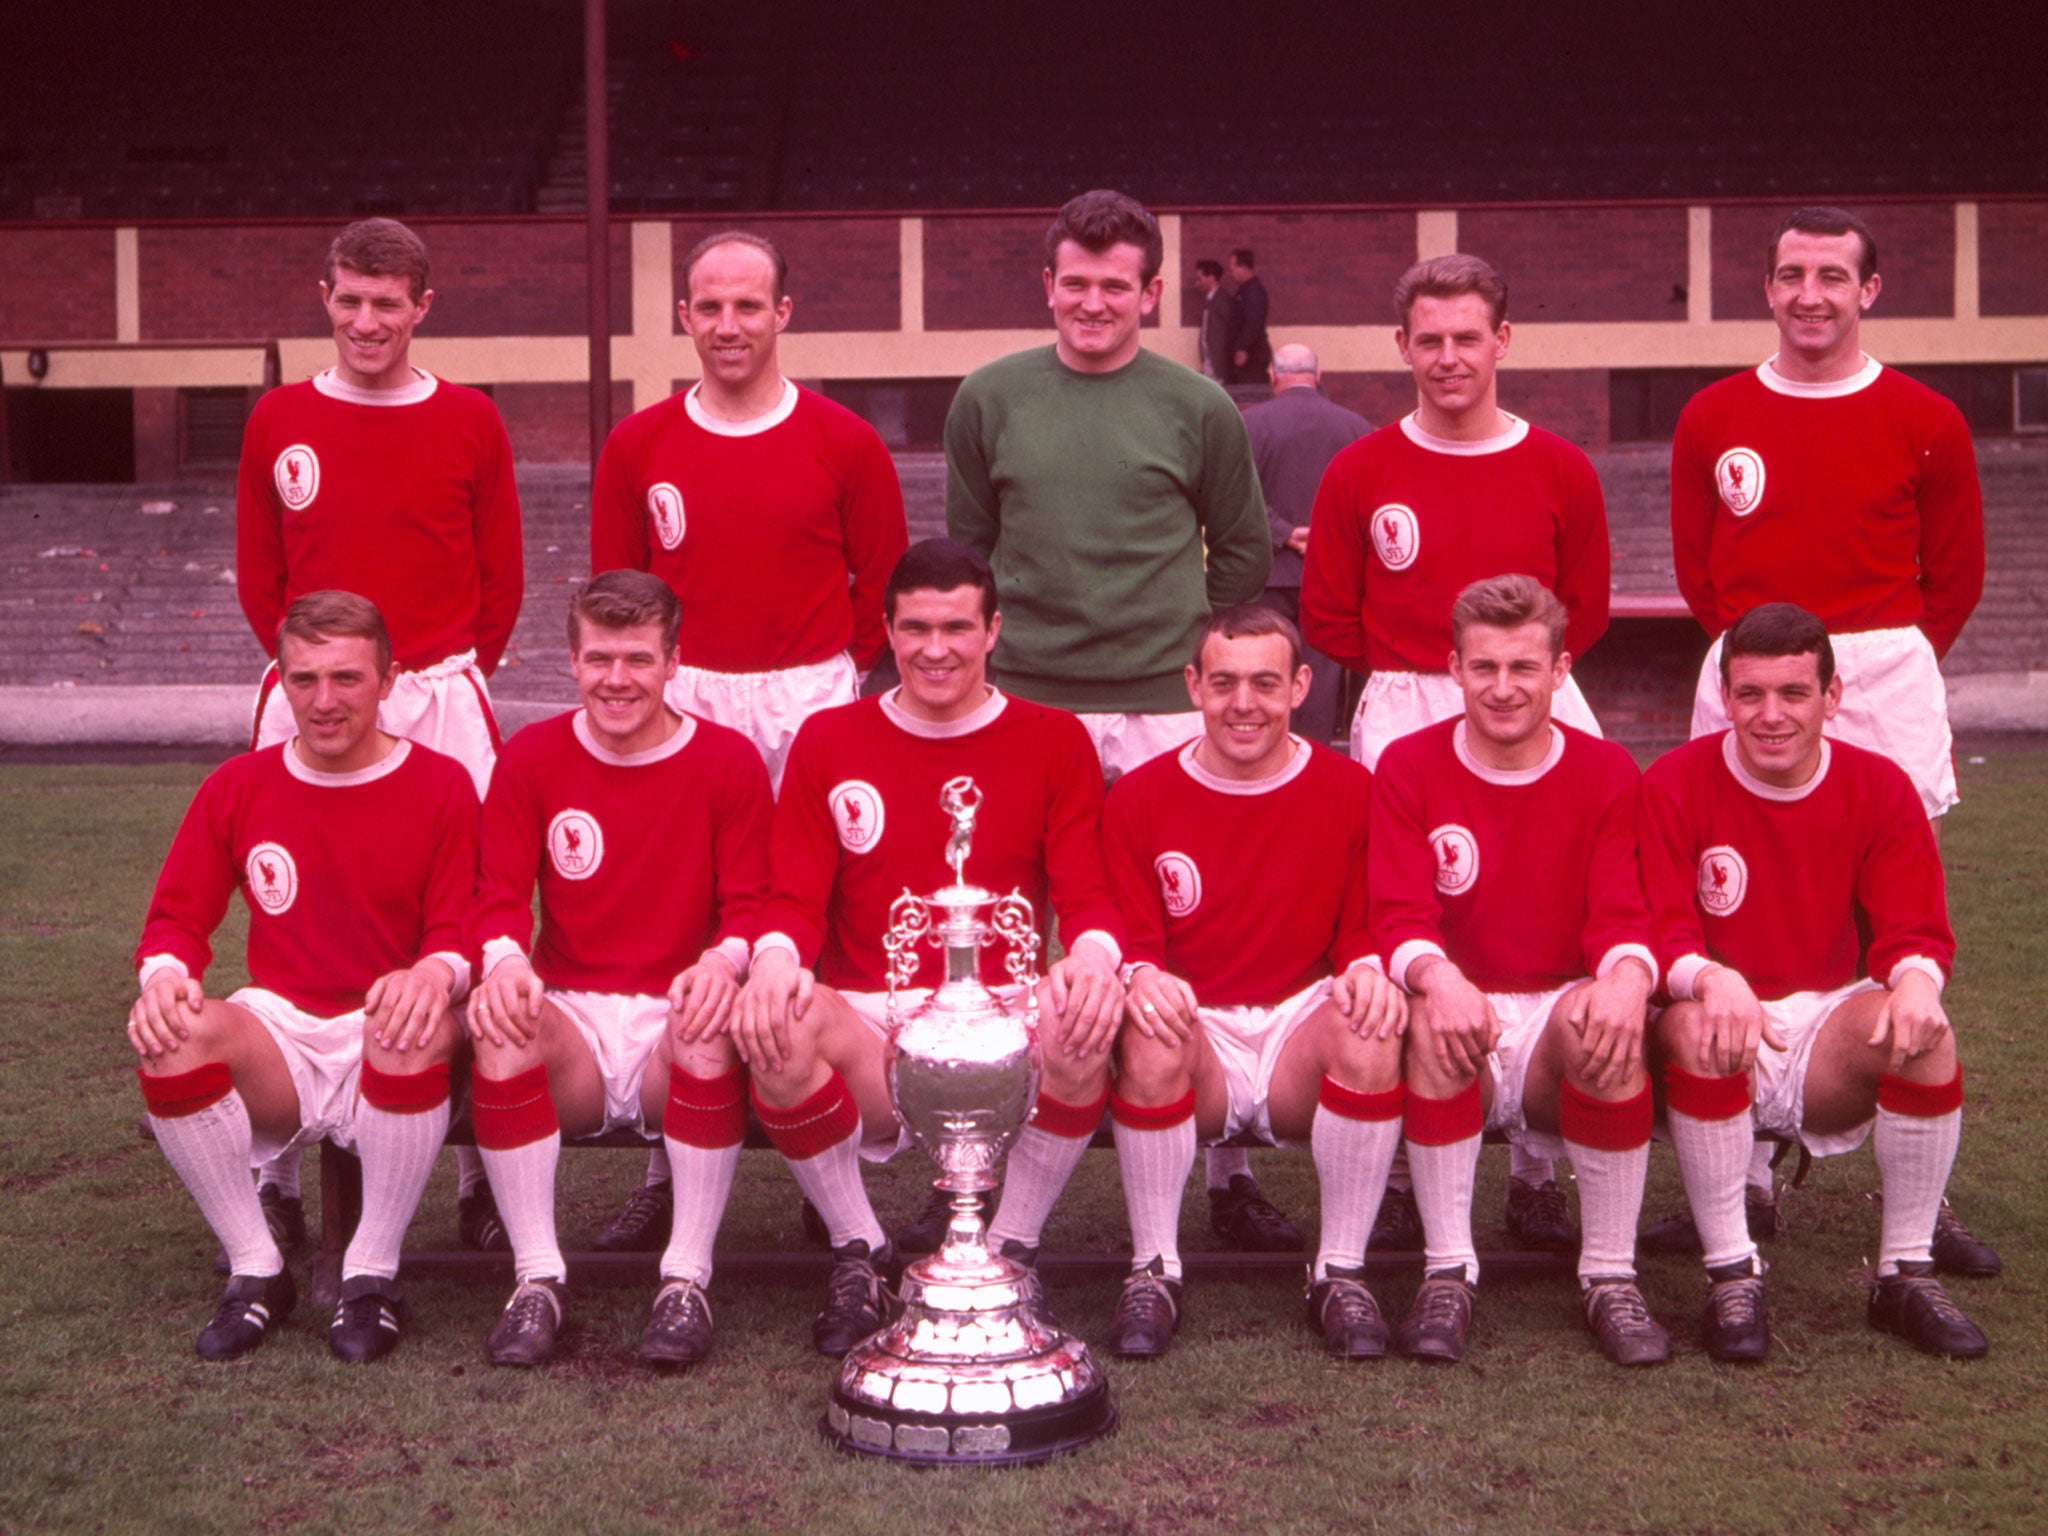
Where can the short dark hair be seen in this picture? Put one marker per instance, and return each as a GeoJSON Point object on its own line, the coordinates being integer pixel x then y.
{"type": "Point", "coordinates": [380, 248]}
{"type": "Point", "coordinates": [760, 243]}
{"type": "Point", "coordinates": [1097, 220]}
{"type": "Point", "coordinates": [1821, 219]}
{"type": "Point", "coordinates": [625, 600]}
{"type": "Point", "coordinates": [1210, 268]}
{"type": "Point", "coordinates": [1445, 277]}
{"type": "Point", "coordinates": [335, 615]}
{"type": "Point", "coordinates": [940, 565]}
{"type": "Point", "coordinates": [1508, 602]}
{"type": "Point", "coordinates": [1250, 619]}
{"type": "Point", "coordinates": [1779, 629]}
{"type": "Point", "coordinates": [1242, 255]}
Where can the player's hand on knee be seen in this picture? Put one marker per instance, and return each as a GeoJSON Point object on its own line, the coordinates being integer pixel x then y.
{"type": "Point", "coordinates": [777, 992]}
{"type": "Point", "coordinates": [1463, 1024]}
{"type": "Point", "coordinates": [1160, 1006]}
{"type": "Point", "coordinates": [1371, 1004]}
{"type": "Point", "coordinates": [1609, 1015]}
{"type": "Point", "coordinates": [700, 999]}
{"type": "Point", "coordinates": [1086, 998]}
{"type": "Point", "coordinates": [1912, 1018]}
{"type": "Point", "coordinates": [406, 1007]}
{"type": "Point", "coordinates": [1733, 1022]}
{"type": "Point", "coordinates": [164, 1014]}
{"type": "Point", "coordinates": [505, 1009]}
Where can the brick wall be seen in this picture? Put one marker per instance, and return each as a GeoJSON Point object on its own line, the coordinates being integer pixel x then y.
{"type": "Point", "coordinates": [1639, 679]}
{"type": "Point", "coordinates": [56, 285]}
{"type": "Point", "coordinates": [985, 274]}
{"type": "Point", "coordinates": [550, 423]}
{"type": "Point", "coordinates": [1916, 252]}
{"type": "Point", "coordinates": [1565, 264]}
{"type": "Point", "coordinates": [2012, 274]}
{"type": "Point", "coordinates": [844, 274]}
{"type": "Point", "coordinates": [1319, 268]}
{"type": "Point", "coordinates": [1379, 397]}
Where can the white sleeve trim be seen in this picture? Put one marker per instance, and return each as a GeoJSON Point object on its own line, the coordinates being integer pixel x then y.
{"type": "Point", "coordinates": [735, 951]}
{"type": "Point", "coordinates": [1924, 966]}
{"type": "Point", "coordinates": [1684, 980]}
{"type": "Point", "coordinates": [459, 964]}
{"type": "Point", "coordinates": [499, 950]}
{"type": "Point", "coordinates": [781, 941]}
{"type": "Point", "coordinates": [1105, 943]}
{"type": "Point", "coordinates": [1366, 962]}
{"type": "Point", "coordinates": [1622, 952]}
{"type": "Point", "coordinates": [154, 965]}
{"type": "Point", "coordinates": [1405, 957]}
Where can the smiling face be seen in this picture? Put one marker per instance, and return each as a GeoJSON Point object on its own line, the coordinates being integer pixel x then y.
{"type": "Point", "coordinates": [1452, 347]}
{"type": "Point", "coordinates": [1097, 302]}
{"type": "Point", "coordinates": [734, 317]}
{"type": "Point", "coordinates": [1247, 689]}
{"type": "Point", "coordinates": [1818, 300]}
{"type": "Point", "coordinates": [1778, 706]}
{"type": "Point", "coordinates": [1508, 677]}
{"type": "Point", "coordinates": [334, 687]}
{"type": "Point", "coordinates": [621, 674]}
{"type": "Point", "coordinates": [373, 320]}
{"type": "Point", "coordinates": [942, 644]}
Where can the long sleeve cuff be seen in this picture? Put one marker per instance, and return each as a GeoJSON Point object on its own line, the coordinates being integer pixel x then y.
{"type": "Point", "coordinates": [781, 941]}
{"type": "Point", "coordinates": [459, 964]}
{"type": "Point", "coordinates": [1922, 964]}
{"type": "Point", "coordinates": [735, 950]}
{"type": "Point", "coordinates": [498, 950]}
{"type": "Point", "coordinates": [1104, 942]}
{"type": "Point", "coordinates": [1684, 978]}
{"type": "Point", "coordinates": [1622, 952]}
{"type": "Point", "coordinates": [1406, 955]}
{"type": "Point", "coordinates": [154, 965]}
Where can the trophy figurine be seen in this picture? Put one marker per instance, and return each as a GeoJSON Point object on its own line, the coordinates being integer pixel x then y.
{"type": "Point", "coordinates": [971, 1373]}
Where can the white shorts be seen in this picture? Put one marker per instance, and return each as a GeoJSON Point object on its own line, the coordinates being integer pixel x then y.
{"type": "Point", "coordinates": [325, 1060]}
{"type": "Point", "coordinates": [872, 1009]}
{"type": "Point", "coordinates": [766, 707]}
{"type": "Point", "coordinates": [1396, 704]}
{"type": "Point", "coordinates": [1248, 1043]}
{"type": "Point", "coordinates": [1125, 741]}
{"type": "Point", "coordinates": [621, 1031]}
{"type": "Point", "coordinates": [1778, 1081]}
{"type": "Point", "coordinates": [1894, 702]}
{"type": "Point", "coordinates": [445, 707]}
{"type": "Point", "coordinates": [1522, 1016]}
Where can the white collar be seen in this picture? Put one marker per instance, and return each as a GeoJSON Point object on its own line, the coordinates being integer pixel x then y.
{"type": "Point", "coordinates": [1832, 389]}
{"type": "Point", "coordinates": [1509, 776]}
{"type": "Point", "coordinates": [1756, 786]}
{"type": "Point", "coordinates": [587, 739]}
{"type": "Point", "coordinates": [983, 714]}
{"type": "Point", "coordinates": [331, 384]}
{"type": "Point", "coordinates": [1411, 428]}
{"type": "Point", "coordinates": [1297, 764]}
{"type": "Point", "coordinates": [370, 775]}
{"type": "Point", "coordinates": [773, 417]}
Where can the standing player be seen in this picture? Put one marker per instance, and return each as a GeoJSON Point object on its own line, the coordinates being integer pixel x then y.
{"type": "Point", "coordinates": [1238, 863]}
{"type": "Point", "coordinates": [1453, 493]}
{"type": "Point", "coordinates": [376, 477]}
{"type": "Point", "coordinates": [860, 821]}
{"type": "Point", "coordinates": [1787, 867]}
{"type": "Point", "coordinates": [1823, 478]}
{"type": "Point", "coordinates": [1507, 900]}
{"type": "Point", "coordinates": [646, 832]}
{"type": "Point", "coordinates": [355, 851]}
{"type": "Point", "coordinates": [1113, 493]}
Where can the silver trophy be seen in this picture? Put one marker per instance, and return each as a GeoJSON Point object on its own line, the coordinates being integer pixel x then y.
{"type": "Point", "coordinates": [971, 1373]}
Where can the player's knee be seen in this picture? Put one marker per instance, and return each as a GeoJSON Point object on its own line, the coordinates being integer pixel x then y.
{"type": "Point", "coordinates": [508, 1059]}
{"type": "Point", "coordinates": [1364, 1062]}
{"type": "Point", "coordinates": [1678, 1036]}
{"type": "Point", "coordinates": [1074, 1080]}
{"type": "Point", "coordinates": [711, 1057]}
{"type": "Point", "coordinates": [1150, 1068]}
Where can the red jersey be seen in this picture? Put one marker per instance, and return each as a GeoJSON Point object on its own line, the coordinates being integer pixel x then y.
{"type": "Point", "coordinates": [643, 861]}
{"type": "Point", "coordinates": [405, 497]}
{"type": "Point", "coordinates": [1524, 880]}
{"type": "Point", "coordinates": [859, 822]}
{"type": "Point", "coordinates": [1247, 892]}
{"type": "Point", "coordinates": [347, 876]}
{"type": "Point", "coordinates": [777, 534]}
{"type": "Point", "coordinates": [1800, 890]}
{"type": "Point", "coordinates": [1858, 500]}
{"type": "Point", "coordinates": [1404, 522]}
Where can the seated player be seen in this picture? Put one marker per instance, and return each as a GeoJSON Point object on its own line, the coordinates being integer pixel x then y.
{"type": "Point", "coordinates": [1787, 867]}
{"type": "Point", "coordinates": [858, 822]}
{"type": "Point", "coordinates": [1507, 900]}
{"type": "Point", "coordinates": [355, 851]}
{"type": "Point", "coordinates": [646, 831]}
{"type": "Point", "coordinates": [1238, 863]}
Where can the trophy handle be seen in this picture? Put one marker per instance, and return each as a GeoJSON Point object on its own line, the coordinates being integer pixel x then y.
{"type": "Point", "coordinates": [1013, 920]}
{"type": "Point", "coordinates": [910, 920]}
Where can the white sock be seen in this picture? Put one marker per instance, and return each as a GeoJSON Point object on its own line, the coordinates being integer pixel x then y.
{"type": "Point", "coordinates": [397, 1153]}
{"type": "Point", "coordinates": [1528, 1167]}
{"type": "Point", "coordinates": [1399, 1176]}
{"type": "Point", "coordinates": [1221, 1164]}
{"type": "Point", "coordinates": [1914, 1156]}
{"type": "Point", "coordinates": [1154, 1166]}
{"type": "Point", "coordinates": [831, 1181]}
{"type": "Point", "coordinates": [1610, 1206]}
{"type": "Point", "coordinates": [1352, 1158]}
{"type": "Point", "coordinates": [523, 1180]}
{"type": "Point", "coordinates": [1712, 1155]}
{"type": "Point", "coordinates": [703, 1180]}
{"type": "Point", "coordinates": [209, 1150]}
{"type": "Point", "coordinates": [660, 1169]}
{"type": "Point", "coordinates": [1039, 1167]}
{"type": "Point", "coordinates": [1444, 1177]}
{"type": "Point", "coordinates": [281, 1173]}
{"type": "Point", "coordinates": [1759, 1162]}
{"type": "Point", "coordinates": [469, 1171]}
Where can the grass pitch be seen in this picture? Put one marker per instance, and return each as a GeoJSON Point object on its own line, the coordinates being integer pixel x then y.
{"type": "Point", "coordinates": [108, 1422]}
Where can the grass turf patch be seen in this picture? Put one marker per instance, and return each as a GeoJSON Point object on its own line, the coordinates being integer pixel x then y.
{"type": "Point", "coordinates": [108, 1422]}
